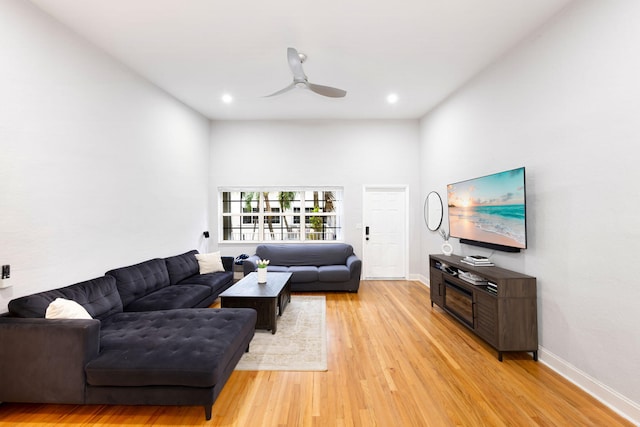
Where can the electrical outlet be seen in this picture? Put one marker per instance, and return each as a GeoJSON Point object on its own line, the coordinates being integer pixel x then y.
{"type": "Point", "coordinates": [6, 273]}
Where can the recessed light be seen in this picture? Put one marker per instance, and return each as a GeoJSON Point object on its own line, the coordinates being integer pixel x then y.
{"type": "Point", "coordinates": [392, 98]}
{"type": "Point", "coordinates": [227, 99]}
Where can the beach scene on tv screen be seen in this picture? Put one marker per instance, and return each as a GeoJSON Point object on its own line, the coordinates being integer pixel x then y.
{"type": "Point", "coordinates": [489, 209]}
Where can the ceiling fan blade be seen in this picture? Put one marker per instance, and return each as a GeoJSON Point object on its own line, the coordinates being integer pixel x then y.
{"type": "Point", "coordinates": [286, 89]}
{"type": "Point", "coordinates": [331, 92]}
{"type": "Point", "coordinates": [295, 63]}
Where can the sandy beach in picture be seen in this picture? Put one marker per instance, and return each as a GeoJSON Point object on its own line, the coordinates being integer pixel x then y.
{"type": "Point", "coordinates": [460, 224]}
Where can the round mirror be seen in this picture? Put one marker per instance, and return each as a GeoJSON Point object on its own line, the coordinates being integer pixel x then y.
{"type": "Point", "coordinates": [433, 211]}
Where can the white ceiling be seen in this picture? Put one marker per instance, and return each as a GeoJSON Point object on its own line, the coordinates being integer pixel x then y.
{"type": "Point", "coordinates": [198, 50]}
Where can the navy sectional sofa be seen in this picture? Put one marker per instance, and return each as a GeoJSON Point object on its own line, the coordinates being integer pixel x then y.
{"type": "Point", "coordinates": [313, 267]}
{"type": "Point", "coordinates": [149, 342]}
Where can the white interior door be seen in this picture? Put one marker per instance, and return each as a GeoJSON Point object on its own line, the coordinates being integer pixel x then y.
{"type": "Point", "coordinates": [385, 233]}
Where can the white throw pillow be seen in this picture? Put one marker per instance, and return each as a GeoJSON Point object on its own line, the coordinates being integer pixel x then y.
{"type": "Point", "coordinates": [62, 308]}
{"type": "Point", "coordinates": [210, 263]}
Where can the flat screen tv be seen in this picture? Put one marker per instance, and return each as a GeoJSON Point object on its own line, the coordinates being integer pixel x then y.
{"type": "Point", "coordinates": [490, 211]}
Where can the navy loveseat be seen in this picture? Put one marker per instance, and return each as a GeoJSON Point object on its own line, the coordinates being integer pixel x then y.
{"type": "Point", "coordinates": [145, 343]}
{"type": "Point", "coordinates": [313, 267]}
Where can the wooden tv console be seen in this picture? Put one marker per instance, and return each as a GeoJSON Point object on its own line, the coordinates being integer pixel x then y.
{"type": "Point", "coordinates": [507, 319]}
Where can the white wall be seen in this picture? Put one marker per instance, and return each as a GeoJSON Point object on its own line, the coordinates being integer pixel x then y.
{"type": "Point", "coordinates": [98, 168]}
{"type": "Point", "coordinates": [565, 104]}
{"type": "Point", "coordinates": [351, 154]}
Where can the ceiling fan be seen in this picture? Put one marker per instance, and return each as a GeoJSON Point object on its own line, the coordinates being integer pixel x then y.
{"type": "Point", "coordinates": [300, 79]}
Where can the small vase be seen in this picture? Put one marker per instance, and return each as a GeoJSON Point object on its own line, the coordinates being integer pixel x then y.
{"type": "Point", "coordinates": [262, 275]}
{"type": "Point", "coordinates": [447, 249]}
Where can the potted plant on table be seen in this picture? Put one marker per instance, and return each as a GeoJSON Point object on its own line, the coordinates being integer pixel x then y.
{"type": "Point", "coordinates": [262, 270]}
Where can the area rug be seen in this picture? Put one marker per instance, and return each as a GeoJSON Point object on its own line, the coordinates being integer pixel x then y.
{"type": "Point", "coordinates": [300, 341]}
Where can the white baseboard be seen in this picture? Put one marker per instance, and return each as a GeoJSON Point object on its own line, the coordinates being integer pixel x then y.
{"type": "Point", "coordinates": [419, 278]}
{"type": "Point", "coordinates": [611, 398]}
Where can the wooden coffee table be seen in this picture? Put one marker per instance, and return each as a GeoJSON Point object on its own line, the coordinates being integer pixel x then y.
{"type": "Point", "coordinates": [266, 298]}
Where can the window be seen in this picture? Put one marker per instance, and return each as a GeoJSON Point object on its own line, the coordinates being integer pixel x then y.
{"type": "Point", "coordinates": [288, 214]}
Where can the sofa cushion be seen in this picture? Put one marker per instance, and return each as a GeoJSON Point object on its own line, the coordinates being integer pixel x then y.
{"type": "Point", "coordinates": [303, 273]}
{"type": "Point", "coordinates": [62, 308]}
{"type": "Point", "coordinates": [210, 263]}
{"type": "Point", "coordinates": [180, 267]}
{"type": "Point", "coordinates": [278, 269]}
{"type": "Point", "coordinates": [334, 273]}
{"type": "Point", "coordinates": [98, 296]}
{"type": "Point", "coordinates": [171, 297]}
{"type": "Point", "coordinates": [216, 282]}
{"type": "Point", "coordinates": [305, 254]}
{"type": "Point", "coordinates": [136, 281]}
{"type": "Point", "coordinates": [190, 347]}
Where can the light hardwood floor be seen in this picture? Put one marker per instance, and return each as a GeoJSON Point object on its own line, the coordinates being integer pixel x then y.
{"type": "Point", "coordinates": [393, 361]}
